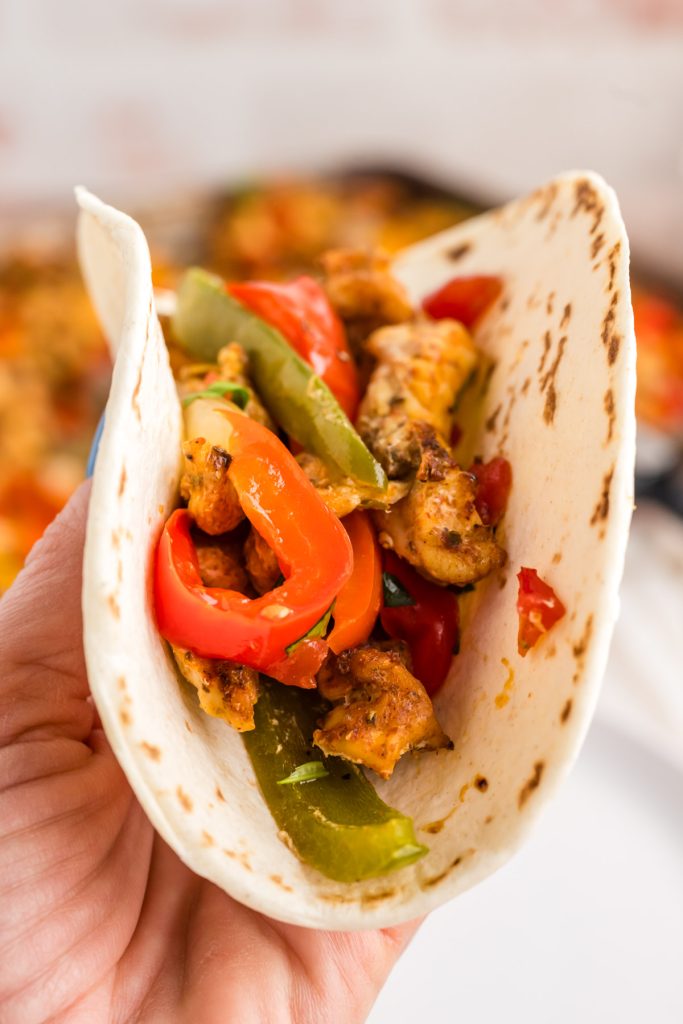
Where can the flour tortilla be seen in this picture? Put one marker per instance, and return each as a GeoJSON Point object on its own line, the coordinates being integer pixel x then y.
{"type": "Point", "coordinates": [556, 398]}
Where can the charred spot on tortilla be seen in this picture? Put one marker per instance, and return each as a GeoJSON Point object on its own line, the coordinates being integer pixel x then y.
{"type": "Point", "coordinates": [122, 482]}
{"type": "Point", "coordinates": [377, 897]}
{"type": "Point", "coordinates": [601, 510]}
{"type": "Point", "coordinates": [486, 378]}
{"type": "Point", "coordinates": [491, 421]}
{"type": "Point", "coordinates": [113, 605]}
{"type": "Point", "coordinates": [588, 201]}
{"type": "Point", "coordinates": [481, 783]}
{"type": "Point", "coordinates": [547, 383]}
{"type": "Point", "coordinates": [610, 338]}
{"type": "Point", "coordinates": [121, 682]}
{"type": "Point", "coordinates": [581, 646]}
{"type": "Point", "coordinates": [183, 799]}
{"type": "Point", "coordinates": [546, 197]}
{"type": "Point", "coordinates": [188, 726]}
{"type": "Point", "coordinates": [608, 403]}
{"type": "Point", "coordinates": [525, 386]}
{"type": "Point", "coordinates": [219, 793]}
{"type": "Point", "coordinates": [277, 880]}
{"type": "Point", "coordinates": [125, 716]}
{"type": "Point", "coordinates": [566, 315]}
{"type": "Point", "coordinates": [429, 882]}
{"type": "Point", "coordinates": [566, 711]}
{"type": "Point", "coordinates": [597, 244]}
{"type": "Point", "coordinates": [550, 303]}
{"type": "Point", "coordinates": [151, 750]}
{"type": "Point", "coordinates": [612, 263]}
{"type": "Point", "coordinates": [547, 342]}
{"type": "Point", "coordinates": [532, 783]}
{"type": "Point", "coordinates": [207, 839]}
{"type": "Point", "coordinates": [458, 251]}
{"type": "Point", "coordinates": [136, 394]}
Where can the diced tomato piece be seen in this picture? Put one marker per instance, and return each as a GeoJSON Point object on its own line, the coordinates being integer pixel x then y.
{"type": "Point", "coordinates": [494, 480]}
{"type": "Point", "coordinates": [539, 608]}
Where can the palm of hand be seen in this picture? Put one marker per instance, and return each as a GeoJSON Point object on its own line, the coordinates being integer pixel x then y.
{"type": "Point", "coordinates": [100, 920]}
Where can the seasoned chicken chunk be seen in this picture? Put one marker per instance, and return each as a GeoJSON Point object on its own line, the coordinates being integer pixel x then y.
{"type": "Point", "coordinates": [420, 369]}
{"type": "Point", "coordinates": [210, 494]}
{"type": "Point", "coordinates": [342, 494]}
{"type": "Point", "coordinates": [226, 690]}
{"type": "Point", "coordinates": [220, 565]}
{"type": "Point", "coordinates": [437, 527]}
{"type": "Point", "coordinates": [381, 710]}
{"type": "Point", "coordinates": [232, 365]}
{"type": "Point", "coordinates": [364, 292]}
{"type": "Point", "coordinates": [262, 565]}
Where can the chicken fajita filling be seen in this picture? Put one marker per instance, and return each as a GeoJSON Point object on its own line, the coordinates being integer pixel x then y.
{"type": "Point", "coordinates": [326, 531]}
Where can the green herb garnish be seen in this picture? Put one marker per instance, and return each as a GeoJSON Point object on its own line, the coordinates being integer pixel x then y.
{"type": "Point", "coordinates": [305, 773]}
{"type": "Point", "coordinates": [238, 394]}
{"type": "Point", "coordinates": [395, 594]}
{"type": "Point", "coordinates": [319, 629]}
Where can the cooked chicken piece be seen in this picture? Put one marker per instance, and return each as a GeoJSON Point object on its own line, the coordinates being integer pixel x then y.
{"type": "Point", "coordinates": [364, 292]}
{"type": "Point", "coordinates": [383, 710]}
{"type": "Point", "coordinates": [437, 527]}
{"type": "Point", "coordinates": [420, 369]}
{"type": "Point", "coordinates": [210, 494]}
{"type": "Point", "coordinates": [232, 365]}
{"type": "Point", "coordinates": [342, 494]}
{"type": "Point", "coordinates": [220, 565]}
{"type": "Point", "coordinates": [226, 690]}
{"type": "Point", "coordinates": [262, 565]}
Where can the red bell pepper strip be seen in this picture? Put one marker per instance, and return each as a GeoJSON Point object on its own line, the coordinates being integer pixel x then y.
{"type": "Point", "coordinates": [359, 601]}
{"type": "Point", "coordinates": [311, 545]}
{"type": "Point", "coordinates": [539, 608]}
{"type": "Point", "coordinates": [494, 480]}
{"type": "Point", "coordinates": [463, 298]}
{"type": "Point", "coordinates": [430, 625]}
{"type": "Point", "coordinates": [301, 311]}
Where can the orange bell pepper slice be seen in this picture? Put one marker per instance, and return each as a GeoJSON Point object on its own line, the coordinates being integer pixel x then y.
{"type": "Point", "coordinates": [360, 599]}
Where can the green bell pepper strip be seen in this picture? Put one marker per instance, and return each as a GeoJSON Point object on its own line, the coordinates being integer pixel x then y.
{"type": "Point", "coordinates": [336, 823]}
{"type": "Point", "coordinates": [207, 318]}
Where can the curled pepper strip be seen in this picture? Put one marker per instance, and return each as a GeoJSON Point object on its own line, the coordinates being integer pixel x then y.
{"type": "Point", "coordinates": [310, 543]}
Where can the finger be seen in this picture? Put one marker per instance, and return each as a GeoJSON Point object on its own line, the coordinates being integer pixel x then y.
{"type": "Point", "coordinates": [43, 683]}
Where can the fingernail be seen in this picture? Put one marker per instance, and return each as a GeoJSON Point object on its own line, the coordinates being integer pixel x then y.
{"type": "Point", "coordinates": [92, 457]}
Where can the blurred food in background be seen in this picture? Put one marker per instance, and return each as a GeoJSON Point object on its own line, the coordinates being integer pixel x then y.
{"type": "Point", "coordinates": [54, 368]}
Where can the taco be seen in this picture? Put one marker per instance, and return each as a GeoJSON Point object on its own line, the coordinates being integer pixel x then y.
{"type": "Point", "coordinates": [343, 667]}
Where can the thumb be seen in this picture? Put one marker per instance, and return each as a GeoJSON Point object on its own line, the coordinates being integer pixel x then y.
{"type": "Point", "coordinates": [43, 683]}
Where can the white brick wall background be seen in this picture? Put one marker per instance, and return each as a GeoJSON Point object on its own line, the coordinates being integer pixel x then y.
{"type": "Point", "coordinates": [142, 97]}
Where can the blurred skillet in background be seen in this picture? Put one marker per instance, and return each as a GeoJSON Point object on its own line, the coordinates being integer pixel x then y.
{"type": "Point", "coordinates": [54, 371]}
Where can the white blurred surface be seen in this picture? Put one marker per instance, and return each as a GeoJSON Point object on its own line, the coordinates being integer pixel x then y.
{"type": "Point", "coordinates": [584, 925]}
{"type": "Point", "coordinates": [140, 97]}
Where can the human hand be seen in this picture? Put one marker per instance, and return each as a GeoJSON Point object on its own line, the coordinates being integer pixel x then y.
{"type": "Point", "coordinates": [99, 920]}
